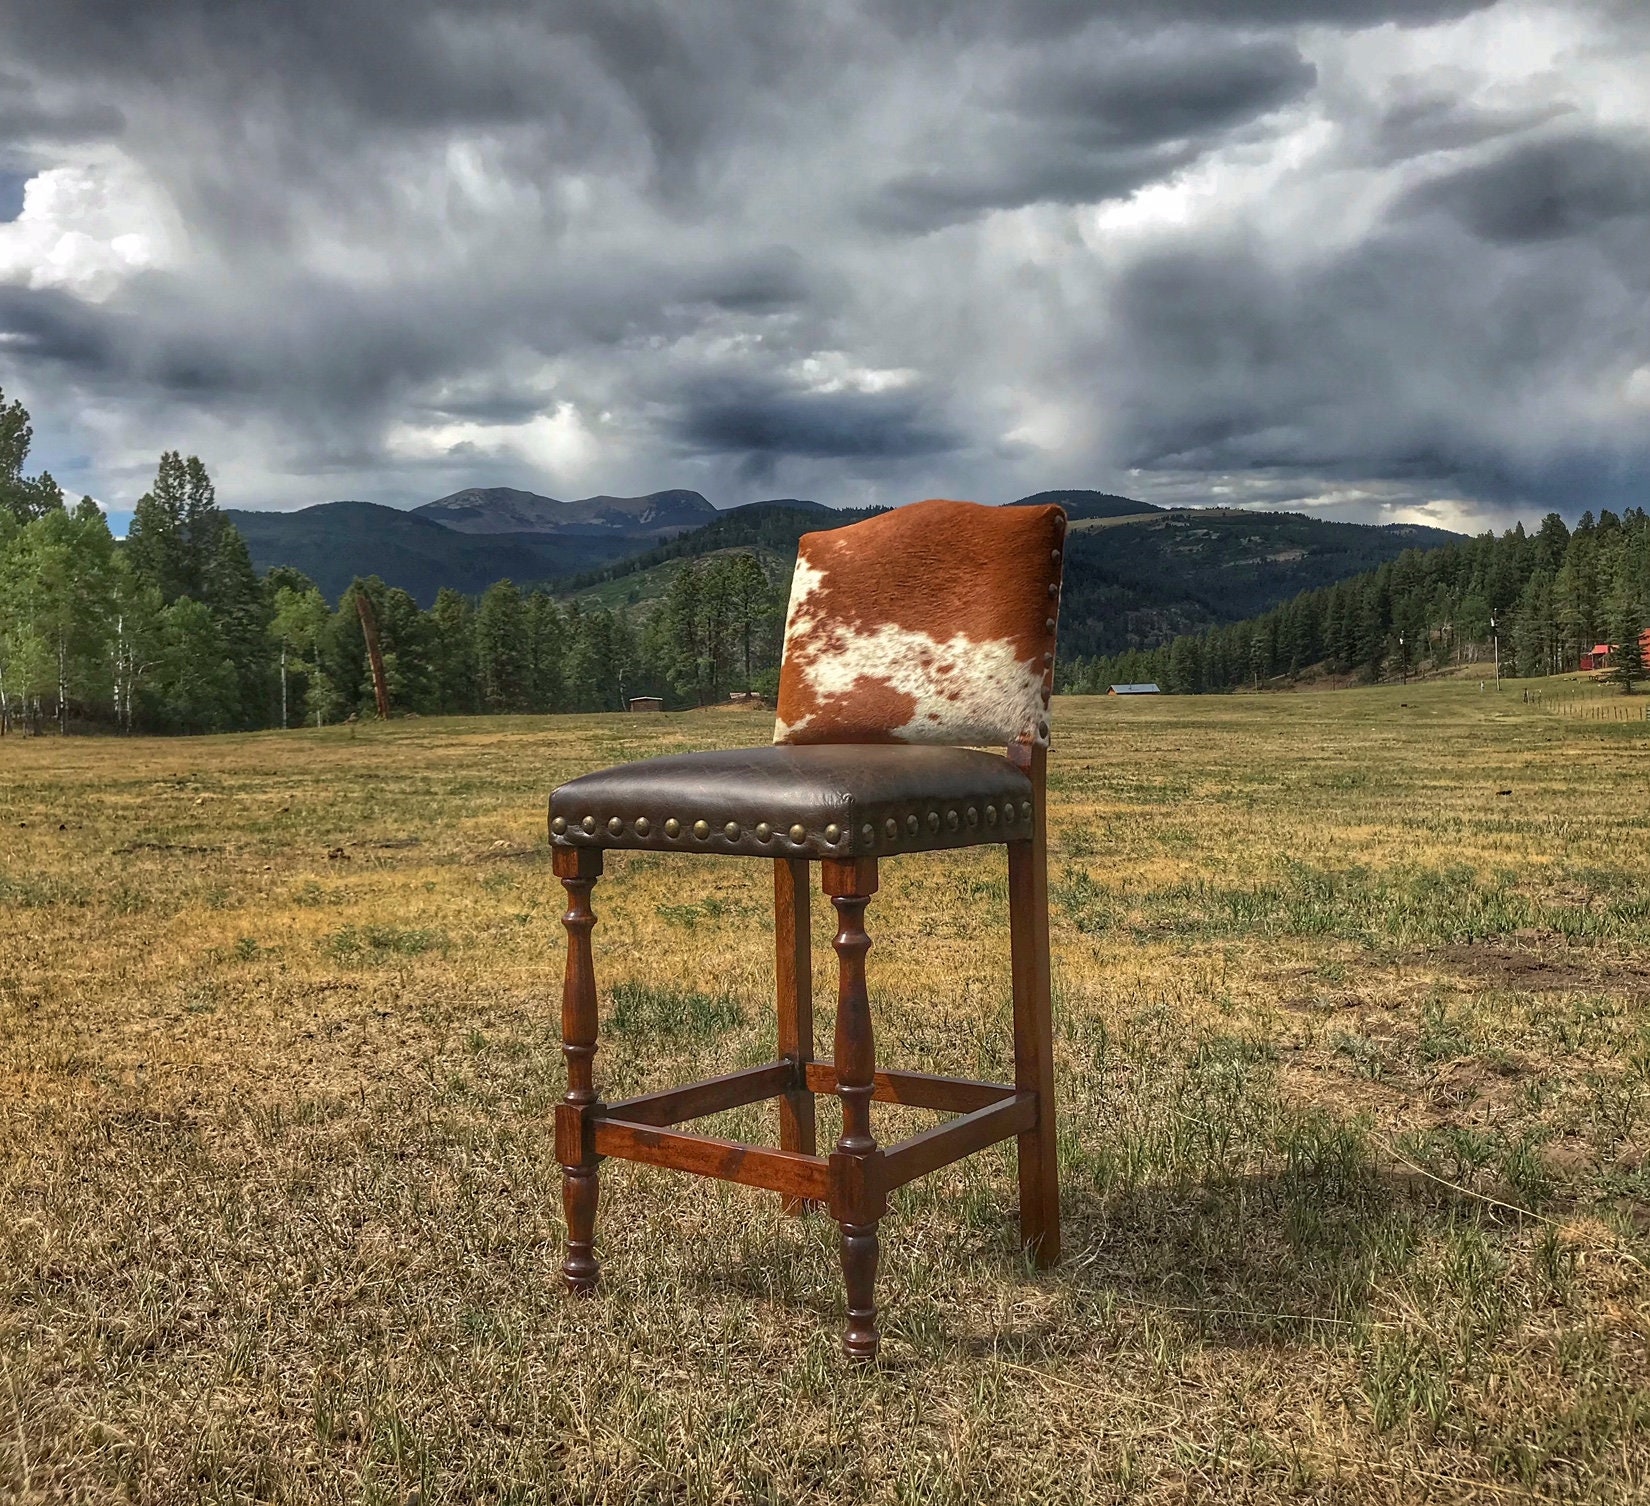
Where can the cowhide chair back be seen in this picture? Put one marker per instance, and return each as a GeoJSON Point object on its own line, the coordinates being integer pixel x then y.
{"type": "Point", "coordinates": [933, 623]}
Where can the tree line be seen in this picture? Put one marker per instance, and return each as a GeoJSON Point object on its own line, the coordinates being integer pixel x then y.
{"type": "Point", "coordinates": [173, 630]}
{"type": "Point", "coordinates": [1537, 602]}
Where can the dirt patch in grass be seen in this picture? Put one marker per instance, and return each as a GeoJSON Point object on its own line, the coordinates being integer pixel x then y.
{"type": "Point", "coordinates": [1500, 966]}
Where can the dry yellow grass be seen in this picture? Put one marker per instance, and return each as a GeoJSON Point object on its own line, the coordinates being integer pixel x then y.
{"type": "Point", "coordinates": [1355, 1079]}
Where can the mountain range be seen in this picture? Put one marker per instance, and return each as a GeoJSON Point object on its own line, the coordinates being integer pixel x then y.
{"type": "Point", "coordinates": [1136, 574]}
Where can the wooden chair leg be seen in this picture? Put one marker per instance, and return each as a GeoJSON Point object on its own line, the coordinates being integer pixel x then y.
{"type": "Point", "coordinates": [1034, 1034]}
{"type": "Point", "coordinates": [795, 997]}
{"type": "Point", "coordinates": [578, 869]}
{"type": "Point", "coordinates": [856, 1198]}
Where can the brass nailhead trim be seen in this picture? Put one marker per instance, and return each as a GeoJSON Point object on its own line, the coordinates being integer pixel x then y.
{"type": "Point", "coordinates": [891, 826]}
{"type": "Point", "coordinates": [833, 833]}
{"type": "Point", "coordinates": [673, 827]}
{"type": "Point", "coordinates": [589, 824]}
{"type": "Point", "coordinates": [731, 831]}
{"type": "Point", "coordinates": [799, 833]}
{"type": "Point", "coordinates": [615, 826]}
{"type": "Point", "coordinates": [701, 829]}
{"type": "Point", "coordinates": [559, 825]}
{"type": "Point", "coordinates": [763, 831]}
{"type": "Point", "coordinates": [643, 826]}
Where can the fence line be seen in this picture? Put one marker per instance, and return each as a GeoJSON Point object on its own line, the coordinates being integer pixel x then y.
{"type": "Point", "coordinates": [1601, 705]}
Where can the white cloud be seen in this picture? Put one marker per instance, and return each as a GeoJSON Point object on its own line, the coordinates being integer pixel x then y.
{"type": "Point", "coordinates": [85, 228]}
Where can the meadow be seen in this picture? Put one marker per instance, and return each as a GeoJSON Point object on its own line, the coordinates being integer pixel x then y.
{"type": "Point", "coordinates": [1351, 998]}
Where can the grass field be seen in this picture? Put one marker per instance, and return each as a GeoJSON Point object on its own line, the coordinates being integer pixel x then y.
{"type": "Point", "coordinates": [1354, 1049]}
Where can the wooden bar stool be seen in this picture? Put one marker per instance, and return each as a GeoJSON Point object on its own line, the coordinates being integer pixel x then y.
{"type": "Point", "coordinates": [912, 639]}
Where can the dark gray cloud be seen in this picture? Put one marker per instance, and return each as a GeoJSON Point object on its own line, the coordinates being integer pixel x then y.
{"type": "Point", "coordinates": [26, 115]}
{"type": "Point", "coordinates": [1556, 189]}
{"type": "Point", "coordinates": [762, 425]}
{"type": "Point", "coordinates": [1073, 133]}
{"type": "Point", "coordinates": [1382, 252]}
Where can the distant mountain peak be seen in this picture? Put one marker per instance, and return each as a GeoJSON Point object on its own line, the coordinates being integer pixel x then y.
{"type": "Point", "coordinates": [503, 509]}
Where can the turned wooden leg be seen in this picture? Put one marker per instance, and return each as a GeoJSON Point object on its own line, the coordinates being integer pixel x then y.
{"type": "Point", "coordinates": [578, 869]}
{"type": "Point", "coordinates": [857, 1198]}
{"type": "Point", "coordinates": [860, 1338]}
{"type": "Point", "coordinates": [794, 975]}
{"type": "Point", "coordinates": [1034, 1036]}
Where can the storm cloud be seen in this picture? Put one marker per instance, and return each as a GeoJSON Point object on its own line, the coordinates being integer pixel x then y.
{"type": "Point", "coordinates": [1375, 258]}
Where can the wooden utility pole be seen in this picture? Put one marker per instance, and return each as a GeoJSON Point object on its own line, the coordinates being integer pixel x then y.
{"type": "Point", "coordinates": [369, 626]}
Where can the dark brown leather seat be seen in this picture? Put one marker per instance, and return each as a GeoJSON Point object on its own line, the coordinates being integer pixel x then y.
{"type": "Point", "coordinates": [820, 801]}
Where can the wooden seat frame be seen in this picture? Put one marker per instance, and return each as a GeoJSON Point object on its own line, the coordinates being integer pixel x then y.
{"type": "Point", "coordinates": [854, 1181]}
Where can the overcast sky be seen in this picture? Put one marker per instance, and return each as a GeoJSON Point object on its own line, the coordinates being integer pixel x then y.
{"type": "Point", "coordinates": [1375, 259]}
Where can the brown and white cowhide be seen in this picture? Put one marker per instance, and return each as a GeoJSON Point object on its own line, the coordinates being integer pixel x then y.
{"type": "Point", "coordinates": [933, 623]}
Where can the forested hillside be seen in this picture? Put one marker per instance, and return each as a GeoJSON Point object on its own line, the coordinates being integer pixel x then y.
{"type": "Point", "coordinates": [1141, 581]}
{"type": "Point", "coordinates": [1544, 599]}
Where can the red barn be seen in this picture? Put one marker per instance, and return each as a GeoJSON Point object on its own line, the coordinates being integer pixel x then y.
{"type": "Point", "coordinates": [1598, 657]}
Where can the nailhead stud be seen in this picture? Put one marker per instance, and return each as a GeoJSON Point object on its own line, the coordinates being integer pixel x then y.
{"type": "Point", "coordinates": [1008, 812]}
{"type": "Point", "coordinates": [991, 815]}
{"type": "Point", "coordinates": [615, 826]}
{"type": "Point", "coordinates": [833, 834]}
{"type": "Point", "coordinates": [1025, 809]}
{"type": "Point", "coordinates": [891, 826]}
{"type": "Point", "coordinates": [799, 833]}
{"type": "Point", "coordinates": [673, 827]}
{"type": "Point", "coordinates": [763, 831]}
{"type": "Point", "coordinates": [589, 824]}
{"type": "Point", "coordinates": [911, 823]}
{"type": "Point", "coordinates": [643, 826]}
{"type": "Point", "coordinates": [1053, 588]}
{"type": "Point", "coordinates": [731, 831]}
{"type": "Point", "coordinates": [701, 829]}
{"type": "Point", "coordinates": [952, 819]}
{"type": "Point", "coordinates": [559, 826]}
{"type": "Point", "coordinates": [1048, 626]}
{"type": "Point", "coordinates": [1054, 556]}
{"type": "Point", "coordinates": [972, 816]}
{"type": "Point", "coordinates": [868, 832]}
{"type": "Point", "coordinates": [933, 820]}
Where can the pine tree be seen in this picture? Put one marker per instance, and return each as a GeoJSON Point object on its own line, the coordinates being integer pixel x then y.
{"type": "Point", "coordinates": [453, 636]}
{"type": "Point", "coordinates": [156, 545]}
{"type": "Point", "coordinates": [503, 659]}
{"type": "Point", "coordinates": [1627, 616]}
